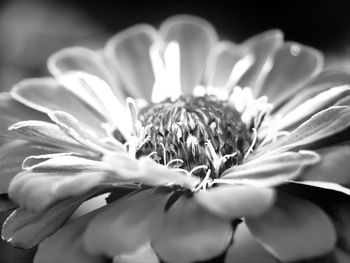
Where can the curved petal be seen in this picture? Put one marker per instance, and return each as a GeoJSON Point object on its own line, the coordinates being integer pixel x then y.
{"type": "Point", "coordinates": [195, 37]}
{"type": "Point", "coordinates": [246, 249]}
{"type": "Point", "coordinates": [320, 126]}
{"type": "Point", "coordinates": [83, 59]}
{"type": "Point", "coordinates": [308, 108]}
{"type": "Point", "coordinates": [129, 53]}
{"type": "Point", "coordinates": [305, 229]}
{"type": "Point", "coordinates": [12, 111]}
{"type": "Point", "coordinates": [145, 254]}
{"type": "Point", "coordinates": [26, 229]}
{"type": "Point", "coordinates": [293, 65]}
{"type": "Point", "coordinates": [126, 225]}
{"type": "Point", "coordinates": [270, 169]}
{"type": "Point", "coordinates": [12, 155]}
{"type": "Point", "coordinates": [236, 201]}
{"type": "Point", "coordinates": [221, 60]}
{"type": "Point", "coordinates": [190, 233]}
{"type": "Point", "coordinates": [262, 47]}
{"type": "Point", "coordinates": [334, 166]}
{"type": "Point", "coordinates": [327, 79]}
{"type": "Point", "coordinates": [67, 244]}
{"type": "Point", "coordinates": [6, 204]}
{"type": "Point", "coordinates": [46, 95]}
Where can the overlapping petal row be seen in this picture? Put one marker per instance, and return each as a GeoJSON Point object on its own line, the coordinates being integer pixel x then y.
{"type": "Point", "coordinates": [287, 202]}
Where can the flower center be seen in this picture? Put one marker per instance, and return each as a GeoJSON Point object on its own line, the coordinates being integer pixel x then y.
{"type": "Point", "coordinates": [195, 131]}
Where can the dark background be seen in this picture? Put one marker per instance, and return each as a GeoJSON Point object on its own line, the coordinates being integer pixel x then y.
{"type": "Point", "coordinates": [31, 30]}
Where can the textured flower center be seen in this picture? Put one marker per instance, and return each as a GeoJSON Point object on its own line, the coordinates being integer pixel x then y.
{"type": "Point", "coordinates": [195, 131]}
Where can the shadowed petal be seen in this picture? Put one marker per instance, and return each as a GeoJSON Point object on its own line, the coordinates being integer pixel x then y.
{"type": "Point", "coordinates": [25, 229]}
{"type": "Point", "coordinates": [195, 37]}
{"type": "Point", "coordinates": [270, 170]}
{"type": "Point", "coordinates": [126, 225]}
{"type": "Point", "coordinates": [6, 204]}
{"type": "Point", "coordinates": [262, 47]}
{"type": "Point", "coordinates": [128, 52]}
{"type": "Point", "coordinates": [67, 245]}
{"type": "Point", "coordinates": [245, 249]}
{"type": "Point", "coordinates": [86, 60]}
{"type": "Point", "coordinates": [334, 167]}
{"type": "Point", "coordinates": [294, 229]}
{"type": "Point", "coordinates": [190, 233]}
{"type": "Point", "coordinates": [236, 201]}
{"type": "Point", "coordinates": [11, 157]}
{"type": "Point", "coordinates": [293, 65]}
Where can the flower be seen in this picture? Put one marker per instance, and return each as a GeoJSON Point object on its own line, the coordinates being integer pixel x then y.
{"type": "Point", "coordinates": [202, 149]}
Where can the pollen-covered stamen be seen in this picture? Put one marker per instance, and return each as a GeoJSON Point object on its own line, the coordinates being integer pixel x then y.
{"type": "Point", "coordinates": [181, 129]}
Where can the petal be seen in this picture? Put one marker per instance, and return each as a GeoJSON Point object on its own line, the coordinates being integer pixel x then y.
{"type": "Point", "coordinates": [333, 199]}
{"type": "Point", "coordinates": [11, 157]}
{"type": "Point", "coordinates": [269, 169]}
{"type": "Point", "coordinates": [294, 229]}
{"type": "Point", "coordinates": [334, 166]}
{"type": "Point", "coordinates": [145, 254]}
{"type": "Point", "coordinates": [221, 60]}
{"type": "Point", "coordinates": [47, 133]}
{"type": "Point", "coordinates": [246, 249]}
{"type": "Point", "coordinates": [67, 245]}
{"type": "Point", "coordinates": [262, 47]}
{"type": "Point", "coordinates": [129, 53]}
{"type": "Point", "coordinates": [83, 59]}
{"type": "Point", "coordinates": [26, 229]}
{"type": "Point", "coordinates": [293, 65]}
{"type": "Point", "coordinates": [46, 95]}
{"type": "Point", "coordinates": [12, 111]}
{"type": "Point", "coordinates": [147, 171]}
{"type": "Point", "coordinates": [318, 103]}
{"type": "Point", "coordinates": [195, 37]}
{"type": "Point", "coordinates": [327, 79]}
{"type": "Point", "coordinates": [322, 125]}
{"type": "Point", "coordinates": [190, 233]}
{"type": "Point", "coordinates": [126, 225]}
{"type": "Point", "coordinates": [236, 201]}
{"type": "Point", "coordinates": [100, 98]}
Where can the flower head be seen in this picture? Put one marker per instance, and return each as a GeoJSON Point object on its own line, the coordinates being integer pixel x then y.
{"type": "Point", "coordinates": [173, 145]}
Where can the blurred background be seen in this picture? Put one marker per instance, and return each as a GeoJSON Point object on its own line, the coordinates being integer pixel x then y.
{"type": "Point", "coordinates": [30, 30]}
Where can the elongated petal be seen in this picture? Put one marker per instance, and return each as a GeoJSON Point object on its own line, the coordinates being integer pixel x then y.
{"type": "Point", "coordinates": [327, 79]}
{"type": "Point", "coordinates": [126, 225]}
{"type": "Point", "coordinates": [262, 47]}
{"type": "Point", "coordinates": [195, 38]}
{"type": "Point", "coordinates": [25, 229]}
{"type": "Point", "coordinates": [12, 111]}
{"type": "Point", "coordinates": [47, 133]}
{"type": "Point", "coordinates": [308, 108]}
{"type": "Point", "coordinates": [236, 201]}
{"type": "Point", "coordinates": [334, 166]}
{"type": "Point", "coordinates": [128, 52]}
{"type": "Point", "coordinates": [46, 95]}
{"type": "Point", "coordinates": [270, 170]}
{"type": "Point", "coordinates": [293, 65]}
{"type": "Point", "coordinates": [320, 126]}
{"type": "Point", "coordinates": [294, 229]}
{"type": "Point", "coordinates": [221, 60]}
{"type": "Point", "coordinates": [67, 245]}
{"type": "Point", "coordinates": [147, 172]}
{"type": "Point", "coordinates": [246, 249]}
{"type": "Point", "coordinates": [86, 60]}
{"type": "Point", "coordinates": [190, 233]}
{"type": "Point", "coordinates": [11, 157]}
